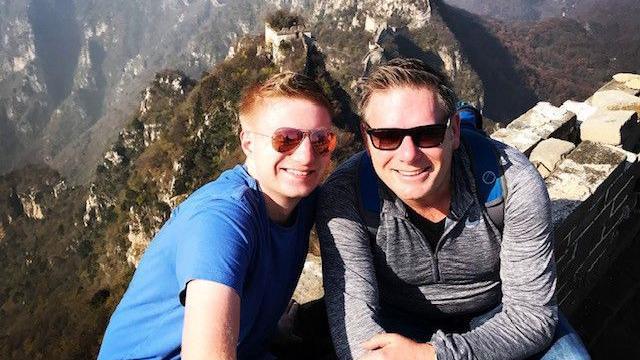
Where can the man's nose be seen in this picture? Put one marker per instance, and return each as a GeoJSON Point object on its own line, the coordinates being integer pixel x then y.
{"type": "Point", "coordinates": [408, 149]}
{"type": "Point", "coordinates": [304, 153]}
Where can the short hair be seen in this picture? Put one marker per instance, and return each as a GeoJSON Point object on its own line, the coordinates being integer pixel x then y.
{"type": "Point", "coordinates": [285, 84]}
{"type": "Point", "coordinates": [401, 72]}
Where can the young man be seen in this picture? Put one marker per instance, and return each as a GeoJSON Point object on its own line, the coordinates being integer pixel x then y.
{"type": "Point", "coordinates": [430, 274]}
{"type": "Point", "coordinates": [218, 276]}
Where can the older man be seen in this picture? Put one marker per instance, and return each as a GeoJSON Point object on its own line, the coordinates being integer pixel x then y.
{"type": "Point", "coordinates": [429, 273]}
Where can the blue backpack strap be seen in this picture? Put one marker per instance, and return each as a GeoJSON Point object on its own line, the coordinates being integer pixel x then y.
{"type": "Point", "coordinates": [469, 115]}
{"type": "Point", "coordinates": [488, 173]}
{"type": "Point", "coordinates": [368, 185]}
{"type": "Point", "coordinates": [369, 201]}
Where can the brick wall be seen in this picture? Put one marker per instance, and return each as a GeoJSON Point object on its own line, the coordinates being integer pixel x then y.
{"type": "Point", "coordinates": [587, 153]}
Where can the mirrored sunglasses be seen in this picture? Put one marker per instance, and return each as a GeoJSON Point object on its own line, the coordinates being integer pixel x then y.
{"type": "Point", "coordinates": [286, 140]}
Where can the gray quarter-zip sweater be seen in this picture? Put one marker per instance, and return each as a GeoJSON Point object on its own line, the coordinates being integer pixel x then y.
{"type": "Point", "coordinates": [396, 282]}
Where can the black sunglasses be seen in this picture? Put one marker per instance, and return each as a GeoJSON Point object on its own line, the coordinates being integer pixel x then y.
{"type": "Point", "coordinates": [425, 136]}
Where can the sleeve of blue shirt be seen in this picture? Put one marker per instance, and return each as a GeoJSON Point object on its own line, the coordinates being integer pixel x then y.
{"type": "Point", "coordinates": [216, 244]}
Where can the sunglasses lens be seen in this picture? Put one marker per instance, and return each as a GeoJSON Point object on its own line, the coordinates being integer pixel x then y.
{"type": "Point", "coordinates": [387, 139]}
{"type": "Point", "coordinates": [286, 139]}
{"type": "Point", "coordinates": [429, 136]}
{"type": "Point", "coordinates": [323, 141]}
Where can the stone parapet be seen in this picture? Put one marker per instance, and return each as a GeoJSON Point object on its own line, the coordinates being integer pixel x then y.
{"type": "Point", "coordinates": [309, 286]}
{"type": "Point", "coordinates": [548, 153]}
{"type": "Point", "coordinates": [522, 140]}
{"type": "Point", "coordinates": [630, 81]}
{"type": "Point", "coordinates": [618, 127]}
{"type": "Point", "coordinates": [583, 110]}
{"type": "Point", "coordinates": [543, 121]}
{"type": "Point", "coordinates": [594, 188]}
{"type": "Point", "coordinates": [617, 85]}
{"type": "Point", "coordinates": [615, 100]}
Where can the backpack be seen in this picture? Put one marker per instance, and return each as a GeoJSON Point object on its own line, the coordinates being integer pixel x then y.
{"type": "Point", "coordinates": [486, 165]}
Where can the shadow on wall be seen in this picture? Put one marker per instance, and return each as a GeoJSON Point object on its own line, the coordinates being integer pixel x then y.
{"type": "Point", "coordinates": [506, 94]}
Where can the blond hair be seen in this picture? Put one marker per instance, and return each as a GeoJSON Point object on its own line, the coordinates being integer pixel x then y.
{"type": "Point", "coordinates": [286, 84]}
{"type": "Point", "coordinates": [408, 73]}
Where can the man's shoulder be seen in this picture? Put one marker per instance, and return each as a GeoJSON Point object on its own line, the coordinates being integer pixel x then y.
{"type": "Point", "coordinates": [516, 165]}
{"type": "Point", "coordinates": [233, 191]}
{"type": "Point", "coordinates": [347, 172]}
{"type": "Point", "coordinates": [511, 155]}
{"type": "Point", "coordinates": [520, 174]}
{"type": "Point", "coordinates": [340, 192]}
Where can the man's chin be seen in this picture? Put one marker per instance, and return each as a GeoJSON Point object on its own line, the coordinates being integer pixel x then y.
{"type": "Point", "coordinates": [299, 192]}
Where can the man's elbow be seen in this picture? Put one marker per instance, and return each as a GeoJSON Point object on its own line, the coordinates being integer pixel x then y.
{"type": "Point", "coordinates": [543, 336]}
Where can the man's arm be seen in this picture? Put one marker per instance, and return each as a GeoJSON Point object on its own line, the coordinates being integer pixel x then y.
{"type": "Point", "coordinates": [526, 323]}
{"type": "Point", "coordinates": [350, 285]}
{"type": "Point", "coordinates": [211, 263]}
{"type": "Point", "coordinates": [211, 321]}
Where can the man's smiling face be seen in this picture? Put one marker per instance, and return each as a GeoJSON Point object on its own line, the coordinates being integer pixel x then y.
{"type": "Point", "coordinates": [416, 175]}
{"type": "Point", "coordinates": [286, 178]}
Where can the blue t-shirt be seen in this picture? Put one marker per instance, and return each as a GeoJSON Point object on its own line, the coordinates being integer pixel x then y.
{"type": "Point", "coordinates": [220, 233]}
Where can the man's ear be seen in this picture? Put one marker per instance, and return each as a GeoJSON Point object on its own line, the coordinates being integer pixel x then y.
{"type": "Point", "coordinates": [365, 140]}
{"type": "Point", "coordinates": [455, 129]}
{"type": "Point", "coordinates": [246, 142]}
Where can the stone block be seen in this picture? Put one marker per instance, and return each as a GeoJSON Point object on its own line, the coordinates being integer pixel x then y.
{"type": "Point", "coordinates": [631, 81]}
{"type": "Point", "coordinates": [564, 296]}
{"type": "Point", "coordinates": [583, 110]}
{"type": "Point", "coordinates": [612, 127]}
{"type": "Point", "coordinates": [628, 231]}
{"type": "Point", "coordinates": [590, 234]}
{"type": "Point", "coordinates": [616, 85]}
{"type": "Point", "coordinates": [572, 248]}
{"type": "Point", "coordinates": [595, 156]}
{"type": "Point", "coordinates": [615, 100]}
{"type": "Point", "coordinates": [570, 301]}
{"type": "Point", "coordinates": [624, 77]}
{"type": "Point", "coordinates": [632, 158]}
{"type": "Point", "coordinates": [566, 271]}
{"type": "Point", "coordinates": [548, 153]}
{"type": "Point", "coordinates": [580, 176]}
{"type": "Point", "coordinates": [633, 84]}
{"type": "Point", "coordinates": [522, 140]}
{"type": "Point", "coordinates": [546, 121]}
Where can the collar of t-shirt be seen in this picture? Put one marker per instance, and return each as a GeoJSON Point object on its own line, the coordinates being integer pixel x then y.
{"type": "Point", "coordinates": [432, 231]}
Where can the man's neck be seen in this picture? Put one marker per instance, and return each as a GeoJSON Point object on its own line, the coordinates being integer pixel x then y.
{"type": "Point", "coordinates": [433, 209]}
{"type": "Point", "coordinates": [279, 211]}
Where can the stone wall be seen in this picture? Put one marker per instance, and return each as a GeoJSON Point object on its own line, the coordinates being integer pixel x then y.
{"type": "Point", "coordinates": [275, 38]}
{"type": "Point", "coordinates": [587, 153]}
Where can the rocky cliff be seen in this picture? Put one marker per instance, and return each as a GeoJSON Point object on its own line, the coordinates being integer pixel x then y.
{"type": "Point", "coordinates": [70, 70]}
{"type": "Point", "coordinates": [68, 251]}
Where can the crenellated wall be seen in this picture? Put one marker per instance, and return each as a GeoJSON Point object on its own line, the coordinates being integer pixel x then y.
{"type": "Point", "coordinates": [275, 38]}
{"type": "Point", "coordinates": [588, 154]}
